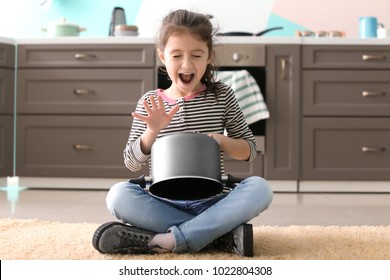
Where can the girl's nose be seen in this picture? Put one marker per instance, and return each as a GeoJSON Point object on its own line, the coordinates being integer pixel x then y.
{"type": "Point", "coordinates": [187, 62]}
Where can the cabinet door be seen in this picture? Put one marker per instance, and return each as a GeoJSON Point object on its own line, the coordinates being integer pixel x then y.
{"type": "Point", "coordinates": [6, 145]}
{"type": "Point", "coordinates": [7, 56]}
{"type": "Point", "coordinates": [6, 91]}
{"type": "Point", "coordinates": [346, 93]}
{"type": "Point", "coordinates": [73, 146]}
{"type": "Point", "coordinates": [244, 169]}
{"type": "Point", "coordinates": [282, 128]}
{"type": "Point", "coordinates": [346, 149]}
{"type": "Point", "coordinates": [346, 56]}
{"type": "Point", "coordinates": [85, 56]}
{"type": "Point", "coordinates": [81, 91]}
{"type": "Point", "coordinates": [7, 66]}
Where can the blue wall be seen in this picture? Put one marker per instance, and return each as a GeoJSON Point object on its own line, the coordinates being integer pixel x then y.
{"type": "Point", "coordinates": [26, 18]}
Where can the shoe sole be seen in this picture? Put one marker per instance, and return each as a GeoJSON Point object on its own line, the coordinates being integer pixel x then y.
{"type": "Point", "coordinates": [248, 240]}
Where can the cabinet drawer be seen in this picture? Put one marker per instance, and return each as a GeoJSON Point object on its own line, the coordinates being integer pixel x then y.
{"type": "Point", "coordinates": [346, 93]}
{"type": "Point", "coordinates": [6, 145]}
{"type": "Point", "coordinates": [354, 57]}
{"type": "Point", "coordinates": [346, 149]}
{"type": "Point", "coordinates": [7, 56]}
{"type": "Point", "coordinates": [72, 146]}
{"type": "Point", "coordinates": [243, 169]}
{"type": "Point", "coordinates": [82, 91]}
{"type": "Point", "coordinates": [6, 91]}
{"type": "Point", "coordinates": [129, 55]}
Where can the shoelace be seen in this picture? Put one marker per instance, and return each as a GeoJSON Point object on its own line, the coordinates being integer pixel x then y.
{"type": "Point", "coordinates": [134, 244]}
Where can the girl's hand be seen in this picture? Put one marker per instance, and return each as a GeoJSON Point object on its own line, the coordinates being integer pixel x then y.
{"type": "Point", "coordinates": [157, 118]}
{"type": "Point", "coordinates": [235, 148]}
{"type": "Point", "coordinates": [217, 137]}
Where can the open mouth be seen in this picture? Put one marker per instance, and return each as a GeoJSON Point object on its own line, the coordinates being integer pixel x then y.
{"type": "Point", "coordinates": [186, 78]}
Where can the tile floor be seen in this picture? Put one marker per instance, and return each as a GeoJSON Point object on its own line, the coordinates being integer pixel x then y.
{"type": "Point", "coordinates": [286, 209]}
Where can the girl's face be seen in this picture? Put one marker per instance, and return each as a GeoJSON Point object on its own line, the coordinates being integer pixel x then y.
{"type": "Point", "coordinates": [186, 59]}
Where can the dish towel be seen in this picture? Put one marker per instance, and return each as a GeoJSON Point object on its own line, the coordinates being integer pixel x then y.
{"type": "Point", "coordinates": [247, 92]}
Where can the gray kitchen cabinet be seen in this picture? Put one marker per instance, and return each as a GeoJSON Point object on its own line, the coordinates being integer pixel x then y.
{"type": "Point", "coordinates": [76, 91]}
{"type": "Point", "coordinates": [74, 107]}
{"type": "Point", "coordinates": [6, 145]}
{"type": "Point", "coordinates": [243, 169]}
{"type": "Point", "coordinates": [346, 113]}
{"type": "Point", "coordinates": [86, 56]}
{"type": "Point", "coordinates": [7, 66]}
{"type": "Point", "coordinates": [72, 146]}
{"type": "Point", "coordinates": [281, 158]}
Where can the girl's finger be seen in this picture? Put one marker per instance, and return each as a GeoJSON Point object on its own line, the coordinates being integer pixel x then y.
{"type": "Point", "coordinates": [160, 102]}
{"type": "Point", "coordinates": [153, 103]}
{"type": "Point", "coordinates": [147, 106]}
{"type": "Point", "coordinates": [139, 116]}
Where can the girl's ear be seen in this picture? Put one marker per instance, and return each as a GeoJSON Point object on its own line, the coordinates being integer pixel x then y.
{"type": "Point", "coordinates": [161, 56]}
{"type": "Point", "coordinates": [211, 57]}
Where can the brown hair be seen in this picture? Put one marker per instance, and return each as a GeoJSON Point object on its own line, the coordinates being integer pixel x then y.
{"type": "Point", "coordinates": [196, 24]}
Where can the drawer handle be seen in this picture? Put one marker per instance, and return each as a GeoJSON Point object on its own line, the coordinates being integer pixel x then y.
{"type": "Point", "coordinates": [84, 56]}
{"type": "Point", "coordinates": [283, 65]}
{"type": "Point", "coordinates": [368, 57]}
{"type": "Point", "coordinates": [373, 93]}
{"type": "Point", "coordinates": [236, 57]}
{"type": "Point", "coordinates": [83, 91]}
{"type": "Point", "coordinates": [82, 147]}
{"type": "Point", "coordinates": [373, 149]}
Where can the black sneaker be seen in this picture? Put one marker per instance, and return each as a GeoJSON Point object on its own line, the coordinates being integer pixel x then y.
{"type": "Point", "coordinates": [239, 241]}
{"type": "Point", "coordinates": [118, 238]}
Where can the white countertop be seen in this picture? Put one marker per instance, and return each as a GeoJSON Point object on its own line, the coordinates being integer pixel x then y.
{"type": "Point", "coordinates": [344, 41]}
{"type": "Point", "coordinates": [222, 40]}
{"type": "Point", "coordinates": [5, 40]}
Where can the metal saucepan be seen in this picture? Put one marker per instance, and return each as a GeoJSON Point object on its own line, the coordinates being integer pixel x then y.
{"type": "Point", "coordinates": [186, 166]}
{"type": "Point", "coordinates": [239, 33]}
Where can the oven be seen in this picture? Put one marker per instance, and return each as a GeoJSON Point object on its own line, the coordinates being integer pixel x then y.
{"type": "Point", "coordinates": [236, 57]}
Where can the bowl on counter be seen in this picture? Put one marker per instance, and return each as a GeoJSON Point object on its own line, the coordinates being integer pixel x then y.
{"type": "Point", "coordinates": [125, 30]}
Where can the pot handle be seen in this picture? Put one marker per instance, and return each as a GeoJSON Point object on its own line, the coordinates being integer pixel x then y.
{"type": "Point", "coordinates": [268, 30]}
{"type": "Point", "coordinates": [141, 181]}
{"type": "Point", "coordinates": [231, 181]}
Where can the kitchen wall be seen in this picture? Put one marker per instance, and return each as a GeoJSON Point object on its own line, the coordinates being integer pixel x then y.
{"type": "Point", "coordinates": [26, 18]}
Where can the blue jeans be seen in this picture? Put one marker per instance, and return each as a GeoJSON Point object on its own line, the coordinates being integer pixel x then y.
{"type": "Point", "coordinates": [194, 224]}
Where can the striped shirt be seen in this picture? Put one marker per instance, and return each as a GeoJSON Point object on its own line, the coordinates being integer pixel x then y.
{"type": "Point", "coordinates": [202, 112]}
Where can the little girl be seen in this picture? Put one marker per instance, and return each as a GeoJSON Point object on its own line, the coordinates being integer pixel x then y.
{"type": "Point", "coordinates": [155, 225]}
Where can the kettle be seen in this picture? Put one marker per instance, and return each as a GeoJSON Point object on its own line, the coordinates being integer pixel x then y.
{"type": "Point", "coordinates": [118, 17]}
